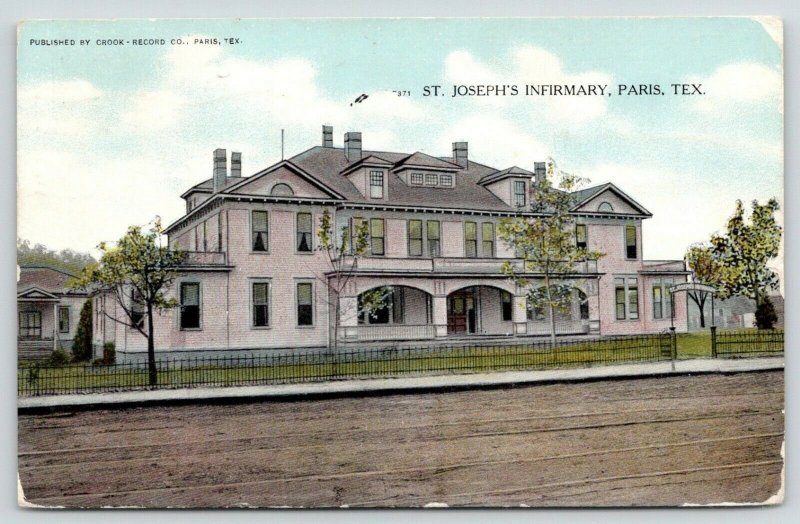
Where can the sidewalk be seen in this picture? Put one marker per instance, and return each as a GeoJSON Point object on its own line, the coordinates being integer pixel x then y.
{"type": "Point", "coordinates": [399, 384]}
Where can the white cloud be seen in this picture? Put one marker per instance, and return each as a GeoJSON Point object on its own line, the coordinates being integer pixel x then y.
{"type": "Point", "coordinates": [735, 85]}
{"type": "Point", "coordinates": [61, 108]}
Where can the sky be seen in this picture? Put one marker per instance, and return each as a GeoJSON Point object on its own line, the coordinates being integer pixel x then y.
{"type": "Point", "coordinates": [110, 136]}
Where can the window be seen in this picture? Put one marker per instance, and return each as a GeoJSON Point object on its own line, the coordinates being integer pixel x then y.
{"type": "Point", "coordinates": [205, 237]}
{"type": "Point", "coordinates": [376, 184]}
{"type": "Point", "coordinates": [219, 232]}
{"type": "Point", "coordinates": [488, 239]}
{"type": "Point", "coordinates": [630, 241]}
{"type": "Point", "coordinates": [431, 179]}
{"type": "Point", "coordinates": [658, 302]}
{"type": "Point", "coordinates": [446, 180]}
{"type": "Point", "coordinates": [433, 238]}
{"type": "Point", "coordinates": [580, 236]}
{"type": "Point", "coordinates": [415, 238]}
{"type": "Point", "coordinates": [583, 305]}
{"type": "Point", "coordinates": [137, 309]}
{"type": "Point", "coordinates": [190, 305]}
{"type": "Point", "coordinates": [377, 237]}
{"type": "Point", "coordinates": [605, 206]}
{"type": "Point", "coordinates": [304, 240]}
{"type": "Point", "coordinates": [416, 179]}
{"type": "Point", "coordinates": [260, 225]}
{"type": "Point", "coordinates": [534, 312]}
{"type": "Point", "coordinates": [63, 319]}
{"type": "Point", "coordinates": [470, 239]}
{"type": "Point", "coordinates": [281, 189]}
{"type": "Point", "coordinates": [260, 304]}
{"type": "Point", "coordinates": [519, 193]}
{"type": "Point", "coordinates": [626, 298]}
{"type": "Point", "coordinates": [305, 304]}
{"type": "Point", "coordinates": [355, 225]}
{"type": "Point", "coordinates": [662, 300]}
{"type": "Point", "coordinates": [30, 323]}
{"type": "Point", "coordinates": [508, 305]}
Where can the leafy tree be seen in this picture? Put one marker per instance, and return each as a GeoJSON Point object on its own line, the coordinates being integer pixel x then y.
{"type": "Point", "coordinates": [136, 271]}
{"type": "Point", "coordinates": [745, 249]}
{"type": "Point", "coordinates": [546, 243]}
{"type": "Point", "coordinates": [38, 255]}
{"type": "Point", "coordinates": [82, 343]}
{"type": "Point", "coordinates": [706, 269]}
{"type": "Point", "coordinates": [765, 314]}
{"type": "Point", "coordinates": [342, 258]}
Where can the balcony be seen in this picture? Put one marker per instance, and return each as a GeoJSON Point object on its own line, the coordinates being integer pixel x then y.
{"type": "Point", "coordinates": [204, 259]}
{"type": "Point", "coordinates": [442, 265]}
{"type": "Point", "coordinates": [663, 266]}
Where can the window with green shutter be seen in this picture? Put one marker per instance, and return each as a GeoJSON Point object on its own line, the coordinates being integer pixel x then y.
{"type": "Point", "coordinates": [470, 239]}
{"type": "Point", "coordinates": [377, 236]}
{"type": "Point", "coordinates": [488, 239]}
{"type": "Point", "coordinates": [415, 238]}
{"type": "Point", "coordinates": [434, 246]}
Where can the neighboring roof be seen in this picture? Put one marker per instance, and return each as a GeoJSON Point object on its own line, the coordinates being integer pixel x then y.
{"type": "Point", "coordinates": [48, 279]}
{"type": "Point", "coordinates": [585, 195]}
{"type": "Point", "coordinates": [423, 161]}
{"type": "Point", "coordinates": [508, 172]}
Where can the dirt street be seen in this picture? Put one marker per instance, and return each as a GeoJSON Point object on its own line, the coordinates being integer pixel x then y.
{"type": "Point", "coordinates": [665, 441]}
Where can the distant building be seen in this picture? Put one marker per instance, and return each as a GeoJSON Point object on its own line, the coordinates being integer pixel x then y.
{"type": "Point", "coordinates": [732, 313]}
{"type": "Point", "coordinates": [47, 311]}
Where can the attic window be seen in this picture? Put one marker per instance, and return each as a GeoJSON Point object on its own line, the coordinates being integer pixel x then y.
{"type": "Point", "coordinates": [605, 206]}
{"type": "Point", "coordinates": [446, 180]}
{"type": "Point", "coordinates": [431, 179]}
{"type": "Point", "coordinates": [416, 179]}
{"type": "Point", "coordinates": [281, 190]}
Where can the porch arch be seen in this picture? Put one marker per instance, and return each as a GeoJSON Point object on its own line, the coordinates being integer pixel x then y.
{"type": "Point", "coordinates": [485, 308]}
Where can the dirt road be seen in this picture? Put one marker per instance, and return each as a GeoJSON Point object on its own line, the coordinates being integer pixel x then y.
{"type": "Point", "coordinates": [665, 441]}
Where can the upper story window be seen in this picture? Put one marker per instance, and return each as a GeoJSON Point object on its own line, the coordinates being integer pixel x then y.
{"type": "Point", "coordinates": [630, 242]}
{"type": "Point", "coordinates": [377, 236]}
{"type": "Point", "coordinates": [417, 179]}
{"type": "Point", "coordinates": [376, 184]}
{"type": "Point", "coordinates": [626, 298]}
{"type": "Point", "coordinates": [305, 243]}
{"type": "Point", "coordinates": [434, 244]}
{"type": "Point", "coordinates": [520, 193]}
{"type": "Point", "coordinates": [281, 189]}
{"type": "Point", "coordinates": [605, 206]}
{"type": "Point", "coordinates": [470, 239]}
{"type": "Point", "coordinates": [260, 226]}
{"type": "Point", "coordinates": [580, 236]}
{"type": "Point", "coordinates": [487, 228]}
{"type": "Point", "coordinates": [431, 179]}
{"type": "Point", "coordinates": [190, 305]}
{"type": "Point", "coordinates": [415, 238]}
{"type": "Point", "coordinates": [446, 180]}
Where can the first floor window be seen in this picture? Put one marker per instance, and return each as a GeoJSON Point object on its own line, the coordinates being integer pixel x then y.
{"type": "Point", "coordinates": [487, 228]}
{"type": "Point", "coordinates": [534, 312]}
{"type": "Point", "coordinates": [508, 305]}
{"type": "Point", "coordinates": [658, 302]}
{"type": "Point", "coordinates": [30, 324]}
{"type": "Point", "coordinates": [304, 225]}
{"type": "Point", "coordinates": [470, 239]}
{"type": "Point", "coordinates": [260, 226]}
{"type": "Point", "coordinates": [415, 238]}
{"type": "Point", "coordinates": [305, 304]}
{"type": "Point", "coordinates": [63, 319]}
{"type": "Point", "coordinates": [377, 236]}
{"type": "Point", "coordinates": [137, 308]}
{"type": "Point", "coordinates": [626, 298]}
{"type": "Point", "coordinates": [662, 300]}
{"type": "Point", "coordinates": [190, 305]}
{"type": "Point", "coordinates": [260, 304]}
{"type": "Point", "coordinates": [433, 238]}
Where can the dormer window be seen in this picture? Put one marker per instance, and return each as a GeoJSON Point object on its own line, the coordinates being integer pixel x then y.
{"type": "Point", "coordinates": [376, 184]}
{"type": "Point", "coordinates": [446, 180]}
{"type": "Point", "coordinates": [416, 179]}
{"type": "Point", "coordinates": [431, 179]}
{"type": "Point", "coordinates": [519, 193]}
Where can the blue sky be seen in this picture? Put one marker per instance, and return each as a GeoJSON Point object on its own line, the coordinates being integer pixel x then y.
{"type": "Point", "coordinates": [127, 129]}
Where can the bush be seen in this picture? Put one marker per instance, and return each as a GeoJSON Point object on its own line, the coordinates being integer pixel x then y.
{"type": "Point", "coordinates": [58, 357]}
{"type": "Point", "coordinates": [82, 344]}
{"type": "Point", "coordinates": [98, 362]}
{"type": "Point", "coordinates": [109, 354]}
{"type": "Point", "coordinates": [765, 314]}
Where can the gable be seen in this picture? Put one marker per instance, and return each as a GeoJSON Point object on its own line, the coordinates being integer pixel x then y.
{"type": "Point", "coordinates": [35, 294]}
{"type": "Point", "coordinates": [619, 202]}
{"type": "Point", "coordinates": [263, 185]}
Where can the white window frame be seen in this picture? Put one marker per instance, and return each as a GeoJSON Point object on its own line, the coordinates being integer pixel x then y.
{"type": "Point", "coordinates": [297, 283]}
{"type": "Point", "coordinates": [199, 304]}
{"type": "Point", "coordinates": [627, 294]}
{"type": "Point", "coordinates": [269, 239]}
{"type": "Point", "coordinates": [374, 188]}
{"type": "Point", "coordinates": [253, 282]}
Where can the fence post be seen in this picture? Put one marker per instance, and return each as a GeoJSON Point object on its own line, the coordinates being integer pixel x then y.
{"type": "Point", "coordinates": [673, 343]}
{"type": "Point", "coordinates": [713, 341]}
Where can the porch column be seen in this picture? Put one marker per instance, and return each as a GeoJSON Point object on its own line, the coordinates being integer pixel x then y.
{"type": "Point", "coordinates": [348, 318]}
{"type": "Point", "coordinates": [520, 315]}
{"type": "Point", "coordinates": [593, 299]}
{"type": "Point", "coordinates": [55, 326]}
{"type": "Point", "coordinates": [440, 315]}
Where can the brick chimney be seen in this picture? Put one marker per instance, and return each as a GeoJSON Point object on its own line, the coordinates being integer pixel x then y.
{"type": "Point", "coordinates": [220, 169]}
{"type": "Point", "coordinates": [327, 136]}
{"type": "Point", "coordinates": [236, 163]}
{"type": "Point", "coordinates": [352, 146]}
{"type": "Point", "coordinates": [461, 153]}
{"type": "Point", "coordinates": [539, 171]}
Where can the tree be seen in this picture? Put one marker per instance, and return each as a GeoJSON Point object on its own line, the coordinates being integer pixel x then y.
{"type": "Point", "coordinates": [546, 243]}
{"type": "Point", "coordinates": [39, 255]}
{"type": "Point", "coordinates": [765, 314]}
{"type": "Point", "coordinates": [745, 249]}
{"type": "Point", "coordinates": [342, 258]}
{"type": "Point", "coordinates": [82, 343]}
{"type": "Point", "coordinates": [706, 269]}
{"type": "Point", "coordinates": [137, 272]}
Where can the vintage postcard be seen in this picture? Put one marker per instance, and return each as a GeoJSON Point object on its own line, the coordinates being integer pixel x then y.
{"type": "Point", "coordinates": [318, 263]}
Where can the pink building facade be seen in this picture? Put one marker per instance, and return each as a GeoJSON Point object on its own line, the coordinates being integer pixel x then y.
{"type": "Point", "coordinates": [255, 279]}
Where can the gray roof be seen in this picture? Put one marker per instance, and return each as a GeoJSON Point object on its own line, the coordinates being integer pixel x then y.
{"type": "Point", "coordinates": [511, 171]}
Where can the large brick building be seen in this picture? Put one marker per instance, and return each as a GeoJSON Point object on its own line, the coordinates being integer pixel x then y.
{"type": "Point", "coordinates": [255, 280]}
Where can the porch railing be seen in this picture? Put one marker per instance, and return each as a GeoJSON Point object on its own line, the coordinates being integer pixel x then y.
{"type": "Point", "coordinates": [451, 264]}
{"type": "Point", "coordinates": [204, 258]}
{"type": "Point", "coordinates": [378, 332]}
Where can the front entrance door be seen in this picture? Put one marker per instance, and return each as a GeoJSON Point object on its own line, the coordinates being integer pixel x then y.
{"type": "Point", "coordinates": [461, 313]}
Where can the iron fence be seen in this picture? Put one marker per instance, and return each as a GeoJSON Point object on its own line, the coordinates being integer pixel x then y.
{"type": "Point", "coordinates": [733, 344]}
{"type": "Point", "coordinates": [375, 362]}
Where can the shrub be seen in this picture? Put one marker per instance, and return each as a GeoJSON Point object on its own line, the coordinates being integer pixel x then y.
{"type": "Point", "coordinates": [109, 354]}
{"type": "Point", "coordinates": [765, 314]}
{"type": "Point", "coordinates": [58, 357]}
{"type": "Point", "coordinates": [98, 362]}
{"type": "Point", "coordinates": [82, 344]}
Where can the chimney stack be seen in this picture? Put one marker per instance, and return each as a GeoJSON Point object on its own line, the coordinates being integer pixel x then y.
{"type": "Point", "coordinates": [352, 146]}
{"type": "Point", "coordinates": [539, 171]}
{"type": "Point", "coordinates": [461, 154]}
{"type": "Point", "coordinates": [236, 163]}
{"type": "Point", "coordinates": [220, 169]}
{"type": "Point", "coordinates": [327, 136]}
